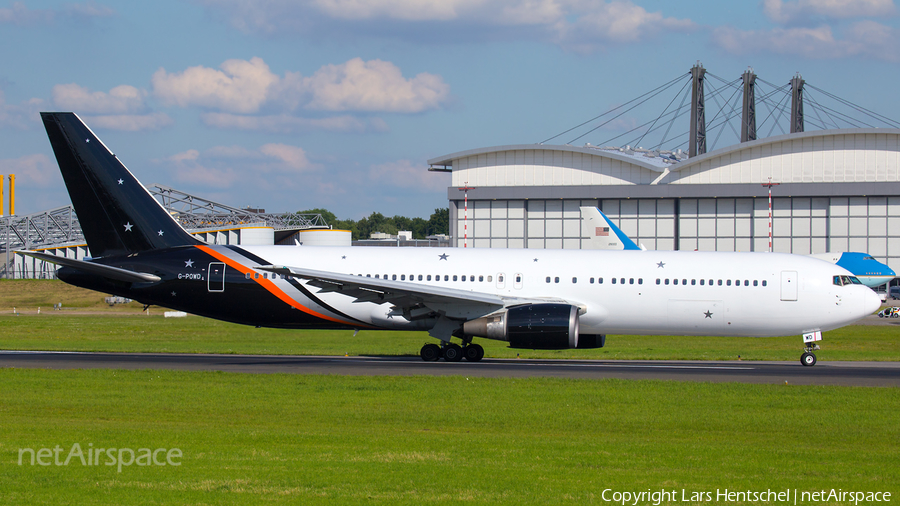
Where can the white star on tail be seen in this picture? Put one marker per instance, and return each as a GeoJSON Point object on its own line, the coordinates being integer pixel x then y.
{"type": "Point", "coordinates": [160, 233]}
{"type": "Point", "coordinates": [128, 227]}
{"type": "Point", "coordinates": [189, 263]}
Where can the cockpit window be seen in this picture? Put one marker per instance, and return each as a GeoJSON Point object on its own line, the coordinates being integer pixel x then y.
{"type": "Point", "coordinates": [855, 280]}
{"type": "Point", "coordinates": [846, 280]}
{"type": "Point", "coordinates": [868, 258]}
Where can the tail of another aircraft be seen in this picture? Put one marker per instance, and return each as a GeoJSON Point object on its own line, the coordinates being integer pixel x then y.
{"type": "Point", "coordinates": [602, 233]}
{"type": "Point", "coordinates": [117, 214]}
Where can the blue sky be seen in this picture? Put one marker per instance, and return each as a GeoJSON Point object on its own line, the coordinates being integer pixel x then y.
{"type": "Point", "coordinates": [290, 105]}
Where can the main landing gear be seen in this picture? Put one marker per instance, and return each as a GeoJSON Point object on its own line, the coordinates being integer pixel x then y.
{"type": "Point", "coordinates": [451, 352]}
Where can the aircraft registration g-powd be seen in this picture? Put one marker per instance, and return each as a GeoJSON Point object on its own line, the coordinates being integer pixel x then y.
{"type": "Point", "coordinates": [549, 299]}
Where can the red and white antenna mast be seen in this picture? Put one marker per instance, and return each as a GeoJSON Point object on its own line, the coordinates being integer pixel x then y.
{"type": "Point", "coordinates": [466, 189]}
{"type": "Point", "coordinates": [769, 185]}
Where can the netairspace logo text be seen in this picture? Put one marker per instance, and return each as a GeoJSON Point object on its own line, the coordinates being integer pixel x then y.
{"type": "Point", "coordinates": [789, 496]}
{"type": "Point", "coordinates": [118, 457]}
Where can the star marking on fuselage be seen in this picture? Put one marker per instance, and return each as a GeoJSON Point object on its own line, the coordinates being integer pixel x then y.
{"type": "Point", "coordinates": [121, 181]}
{"type": "Point", "coordinates": [189, 263]}
{"type": "Point", "coordinates": [87, 141]}
{"type": "Point", "coordinates": [535, 259]}
{"type": "Point", "coordinates": [442, 256]}
{"type": "Point", "coordinates": [160, 233]}
{"type": "Point", "coordinates": [343, 257]}
{"type": "Point", "coordinates": [661, 265]}
{"type": "Point", "coordinates": [173, 294]}
{"type": "Point", "coordinates": [128, 226]}
{"type": "Point", "coordinates": [708, 314]}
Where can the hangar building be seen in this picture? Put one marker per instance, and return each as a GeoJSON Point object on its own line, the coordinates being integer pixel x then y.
{"type": "Point", "coordinates": [838, 190]}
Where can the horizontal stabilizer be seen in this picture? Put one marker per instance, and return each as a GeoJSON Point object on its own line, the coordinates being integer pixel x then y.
{"type": "Point", "coordinates": [94, 268]}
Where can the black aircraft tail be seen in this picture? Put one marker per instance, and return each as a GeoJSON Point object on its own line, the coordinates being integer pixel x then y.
{"type": "Point", "coordinates": [117, 214]}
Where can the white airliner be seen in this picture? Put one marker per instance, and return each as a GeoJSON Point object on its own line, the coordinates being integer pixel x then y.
{"type": "Point", "coordinates": [528, 298]}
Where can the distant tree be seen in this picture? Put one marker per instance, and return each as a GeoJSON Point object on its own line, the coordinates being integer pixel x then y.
{"type": "Point", "coordinates": [439, 222]}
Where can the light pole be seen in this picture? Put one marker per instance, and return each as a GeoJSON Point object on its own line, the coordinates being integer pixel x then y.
{"type": "Point", "coordinates": [769, 185]}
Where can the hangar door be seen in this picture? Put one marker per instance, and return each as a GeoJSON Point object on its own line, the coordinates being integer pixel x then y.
{"type": "Point", "coordinates": [788, 285]}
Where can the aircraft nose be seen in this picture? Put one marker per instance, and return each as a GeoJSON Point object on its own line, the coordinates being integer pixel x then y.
{"type": "Point", "coordinates": [871, 302]}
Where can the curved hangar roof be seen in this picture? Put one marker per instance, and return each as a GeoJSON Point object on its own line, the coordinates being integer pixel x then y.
{"type": "Point", "coordinates": [821, 156]}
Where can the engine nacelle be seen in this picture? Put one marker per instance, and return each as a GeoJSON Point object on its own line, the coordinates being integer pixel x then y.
{"type": "Point", "coordinates": [533, 326]}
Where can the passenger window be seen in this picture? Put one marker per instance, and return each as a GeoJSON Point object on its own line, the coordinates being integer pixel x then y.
{"type": "Point", "coordinates": [720, 282]}
{"type": "Point", "coordinates": [755, 283]}
{"type": "Point", "coordinates": [693, 282]}
{"type": "Point", "coordinates": [764, 282]}
{"type": "Point", "coordinates": [480, 279]}
{"type": "Point", "coordinates": [599, 281]}
{"type": "Point", "coordinates": [462, 278]}
{"type": "Point", "coordinates": [727, 282]}
{"type": "Point", "coordinates": [367, 275]}
{"type": "Point", "coordinates": [454, 277]}
{"type": "Point", "coordinates": [247, 276]}
{"type": "Point", "coordinates": [490, 278]}
{"type": "Point", "coordinates": [640, 281]}
{"type": "Point", "coordinates": [746, 282]}
{"type": "Point", "coordinates": [420, 277]}
{"type": "Point", "coordinates": [394, 277]}
{"type": "Point", "coordinates": [592, 281]}
{"type": "Point", "coordinates": [548, 279]}
{"type": "Point", "coordinates": [631, 281]}
{"type": "Point", "coordinates": [446, 277]}
{"type": "Point", "coordinates": [613, 280]}
{"type": "Point", "coordinates": [657, 281]}
{"type": "Point", "coordinates": [556, 279]}
{"type": "Point", "coordinates": [428, 278]}
{"type": "Point", "coordinates": [574, 280]}
{"type": "Point", "coordinates": [674, 281]}
{"type": "Point", "coordinates": [472, 278]}
{"type": "Point", "coordinates": [403, 277]}
{"type": "Point", "coordinates": [701, 282]}
{"type": "Point", "coordinates": [683, 281]}
{"type": "Point", "coordinates": [667, 281]}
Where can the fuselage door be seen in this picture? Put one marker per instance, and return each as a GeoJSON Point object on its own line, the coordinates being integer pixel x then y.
{"type": "Point", "coordinates": [216, 277]}
{"type": "Point", "coordinates": [501, 280]}
{"type": "Point", "coordinates": [788, 285]}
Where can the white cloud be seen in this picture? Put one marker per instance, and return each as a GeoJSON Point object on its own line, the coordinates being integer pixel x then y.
{"type": "Point", "coordinates": [406, 174]}
{"type": "Point", "coordinates": [236, 166]}
{"type": "Point", "coordinates": [241, 86]}
{"type": "Point", "coordinates": [33, 170]}
{"type": "Point", "coordinates": [122, 99]}
{"type": "Point", "coordinates": [806, 11]}
{"type": "Point", "coordinates": [863, 39]}
{"type": "Point", "coordinates": [584, 25]}
{"type": "Point", "coordinates": [375, 85]}
{"type": "Point", "coordinates": [284, 123]}
{"type": "Point", "coordinates": [131, 122]}
{"type": "Point", "coordinates": [248, 87]}
{"type": "Point", "coordinates": [22, 116]}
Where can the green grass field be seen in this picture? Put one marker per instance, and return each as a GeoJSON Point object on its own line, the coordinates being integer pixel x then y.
{"type": "Point", "coordinates": [193, 334]}
{"type": "Point", "coordinates": [261, 439]}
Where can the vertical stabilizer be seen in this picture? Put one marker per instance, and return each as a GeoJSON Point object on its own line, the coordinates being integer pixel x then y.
{"type": "Point", "coordinates": [601, 233]}
{"type": "Point", "coordinates": [117, 214]}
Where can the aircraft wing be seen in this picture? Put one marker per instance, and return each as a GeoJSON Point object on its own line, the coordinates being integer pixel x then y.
{"type": "Point", "coordinates": [409, 297]}
{"type": "Point", "coordinates": [94, 268]}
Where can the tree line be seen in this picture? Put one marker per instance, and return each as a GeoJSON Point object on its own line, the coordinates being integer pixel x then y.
{"type": "Point", "coordinates": [437, 223]}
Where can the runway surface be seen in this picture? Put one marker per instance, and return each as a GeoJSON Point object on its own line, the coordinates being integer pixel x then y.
{"type": "Point", "coordinates": [885, 374]}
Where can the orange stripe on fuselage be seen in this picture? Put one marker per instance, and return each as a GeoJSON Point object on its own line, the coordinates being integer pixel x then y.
{"type": "Point", "coordinates": [270, 286]}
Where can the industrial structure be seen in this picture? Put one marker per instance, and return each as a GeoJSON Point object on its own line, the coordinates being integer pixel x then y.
{"type": "Point", "coordinates": [838, 187]}
{"type": "Point", "coordinates": [58, 231]}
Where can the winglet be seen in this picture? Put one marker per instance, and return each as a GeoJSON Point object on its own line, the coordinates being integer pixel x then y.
{"type": "Point", "coordinates": [601, 232]}
{"type": "Point", "coordinates": [117, 214]}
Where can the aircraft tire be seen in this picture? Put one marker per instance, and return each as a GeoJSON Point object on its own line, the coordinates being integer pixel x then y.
{"type": "Point", "coordinates": [473, 352]}
{"type": "Point", "coordinates": [808, 359]}
{"type": "Point", "coordinates": [430, 353]}
{"type": "Point", "coordinates": [453, 353]}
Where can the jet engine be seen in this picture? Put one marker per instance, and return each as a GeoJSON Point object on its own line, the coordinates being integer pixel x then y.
{"type": "Point", "coordinates": [533, 326]}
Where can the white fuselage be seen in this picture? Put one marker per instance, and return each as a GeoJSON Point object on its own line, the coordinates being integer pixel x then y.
{"type": "Point", "coordinates": [620, 292]}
